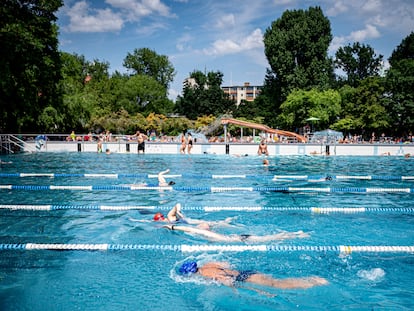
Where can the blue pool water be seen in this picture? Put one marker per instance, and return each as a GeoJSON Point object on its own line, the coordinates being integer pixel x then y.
{"type": "Point", "coordinates": [146, 279]}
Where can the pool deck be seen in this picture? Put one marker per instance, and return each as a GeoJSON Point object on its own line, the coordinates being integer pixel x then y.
{"type": "Point", "coordinates": [231, 148]}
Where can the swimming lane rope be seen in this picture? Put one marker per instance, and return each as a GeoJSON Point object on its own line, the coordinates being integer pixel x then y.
{"type": "Point", "coordinates": [342, 249]}
{"type": "Point", "coordinates": [315, 210]}
{"type": "Point", "coordinates": [213, 176]}
{"type": "Point", "coordinates": [210, 189]}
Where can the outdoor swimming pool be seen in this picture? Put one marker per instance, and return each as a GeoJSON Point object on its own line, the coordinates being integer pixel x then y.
{"type": "Point", "coordinates": [365, 201]}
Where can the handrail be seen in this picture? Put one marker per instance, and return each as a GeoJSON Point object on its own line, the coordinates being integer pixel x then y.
{"type": "Point", "coordinates": [10, 139]}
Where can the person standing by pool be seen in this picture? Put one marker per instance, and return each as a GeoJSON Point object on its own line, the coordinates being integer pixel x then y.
{"type": "Point", "coordinates": [247, 238]}
{"type": "Point", "coordinates": [141, 138]}
{"type": "Point", "coordinates": [183, 142]}
{"type": "Point", "coordinates": [189, 143]}
{"type": "Point", "coordinates": [222, 273]}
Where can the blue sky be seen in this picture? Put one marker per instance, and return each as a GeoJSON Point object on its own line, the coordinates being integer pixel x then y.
{"type": "Point", "coordinates": [218, 35]}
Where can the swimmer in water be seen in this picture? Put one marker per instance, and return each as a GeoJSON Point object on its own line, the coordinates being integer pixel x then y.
{"type": "Point", "coordinates": [247, 238]}
{"type": "Point", "coordinates": [222, 273]}
{"type": "Point", "coordinates": [161, 179]}
{"type": "Point", "coordinates": [262, 150]}
{"type": "Point", "coordinates": [175, 215]}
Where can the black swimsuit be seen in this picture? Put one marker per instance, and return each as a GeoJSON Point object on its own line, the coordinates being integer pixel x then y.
{"type": "Point", "coordinates": [244, 275]}
{"type": "Point", "coordinates": [241, 277]}
{"type": "Point", "coordinates": [244, 237]}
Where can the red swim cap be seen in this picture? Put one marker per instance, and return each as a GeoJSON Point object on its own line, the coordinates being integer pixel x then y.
{"type": "Point", "coordinates": [158, 216]}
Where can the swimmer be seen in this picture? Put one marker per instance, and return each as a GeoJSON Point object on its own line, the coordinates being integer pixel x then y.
{"type": "Point", "coordinates": [265, 162]}
{"type": "Point", "coordinates": [322, 179]}
{"type": "Point", "coordinates": [175, 215]}
{"type": "Point", "coordinates": [222, 273]}
{"type": "Point", "coordinates": [263, 148]}
{"type": "Point", "coordinates": [161, 179]}
{"type": "Point", "coordinates": [247, 238]}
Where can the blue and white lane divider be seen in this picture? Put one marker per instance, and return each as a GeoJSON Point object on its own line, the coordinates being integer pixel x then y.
{"type": "Point", "coordinates": [315, 210]}
{"type": "Point", "coordinates": [342, 249]}
{"type": "Point", "coordinates": [210, 189]}
{"type": "Point", "coordinates": [214, 176]}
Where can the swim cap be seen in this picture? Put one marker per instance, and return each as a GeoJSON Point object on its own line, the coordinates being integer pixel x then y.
{"type": "Point", "coordinates": [171, 183]}
{"type": "Point", "coordinates": [159, 216]}
{"type": "Point", "coordinates": [188, 267]}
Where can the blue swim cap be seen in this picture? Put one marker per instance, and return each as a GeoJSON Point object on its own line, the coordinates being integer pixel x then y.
{"type": "Point", "coordinates": [188, 267]}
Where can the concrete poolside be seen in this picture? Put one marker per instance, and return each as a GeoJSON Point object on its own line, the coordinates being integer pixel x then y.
{"type": "Point", "coordinates": [230, 148]}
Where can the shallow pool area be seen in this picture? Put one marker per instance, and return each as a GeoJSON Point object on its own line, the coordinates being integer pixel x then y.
{"type": "Point", "coordinates": [76, 231]}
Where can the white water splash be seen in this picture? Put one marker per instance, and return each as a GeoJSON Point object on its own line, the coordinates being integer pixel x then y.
{"type": "Point", "coordinates": [372, 275]}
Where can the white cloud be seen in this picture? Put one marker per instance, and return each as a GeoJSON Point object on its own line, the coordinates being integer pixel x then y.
{"type": "Point", "coordinates": [101, 20]}
{"type": "Point", "coordinates": [226, 21]}
{"type": "Point", "coordinates": [338, 8]}
{"type": "Point", "coordinates": [284, 2]}
{"type": "Point", "coordinates": [136, 9]}
{"type": "Point", "coordinates": [149, 29]}
{"type": "Point", "coordinates": [182, 42]}
{"type": "Point", "coordinates": [83, 18]}
{"type": "Point", "coordinates": [228, 46]}
{"type": "Point", "coordinates": [369, 32]}
{"type": "Point", "coordinates": [396, 15]}
{"type": "Point", "coordinates": [372, 6]}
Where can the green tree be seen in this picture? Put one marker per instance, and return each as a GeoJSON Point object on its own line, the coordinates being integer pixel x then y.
{"type": "Point", "coordinates": [120, 122]}
{"type": "Point", "coordinates": [144, 94]}
{"type": "Point", "coordinates": [348, 122]}
{"type": "Point", "coordinates": [363, 108]}
{"type": "Point", "coordinates": [30, 63]}
{"type": "Point", "coordinates": [86, 86]}
{"type": "Point", "coordinates": [296, 47]}
{"type": "Point", "coordinates": [145, 61]}
{"type": "Point", "coordinates": [400, 86]}
{"type": "Point", "coordinates": [301, 105]}
{"type": "Point", "coordinates": [358, 62]}
{"type": "Point", "coordinates": [204, 96]}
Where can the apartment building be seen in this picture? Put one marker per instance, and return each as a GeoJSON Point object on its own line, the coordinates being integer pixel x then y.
{"type": "Point", "coordinates": [246, 92]}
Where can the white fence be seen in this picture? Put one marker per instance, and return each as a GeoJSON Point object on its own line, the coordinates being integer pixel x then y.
{"type": "Point", "coordinates": [237, 149]}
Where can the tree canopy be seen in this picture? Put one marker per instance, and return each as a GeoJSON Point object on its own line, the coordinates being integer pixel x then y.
{"type": "Point", "coordinates": [358, 61]}
{"type": "Point", "coordinates": [145, 61]}
{"type": "Point", "coordinates": [30, 70]}
{"type": "Point", "coordinates": [400, 86]}
{"type": "Point", "coordinates": [296, 47]}
{"type": "Point", "coordinates": [204, 96]}
{"type": "Point", "coordinates": [42, 89]}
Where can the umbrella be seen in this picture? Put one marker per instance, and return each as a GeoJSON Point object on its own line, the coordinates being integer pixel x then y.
{"type": "Point", "coordinates": [311, 119]}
